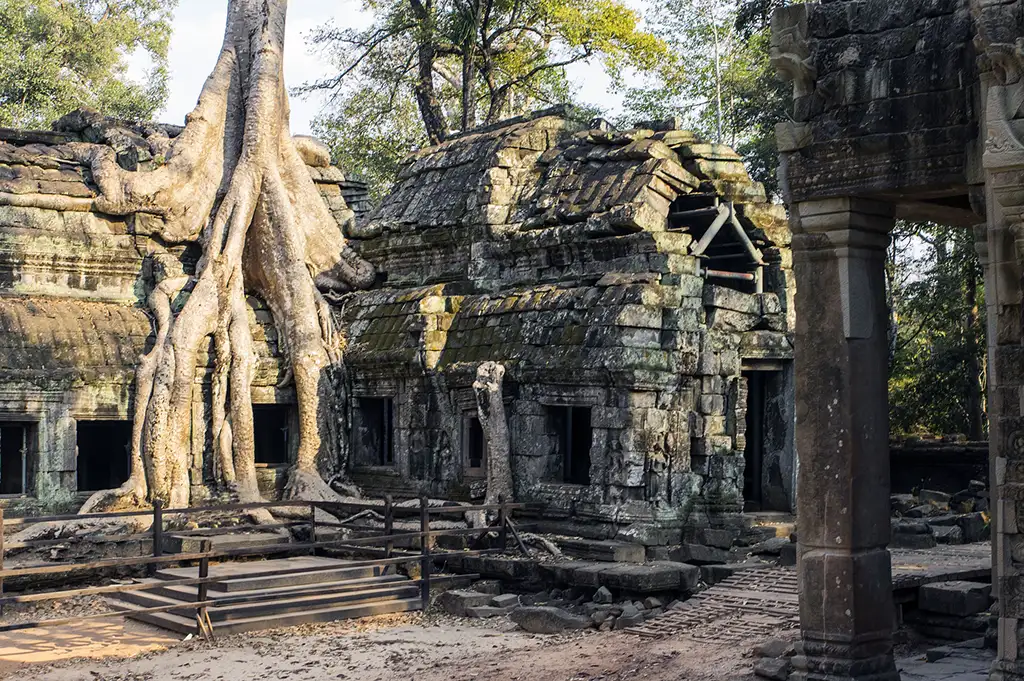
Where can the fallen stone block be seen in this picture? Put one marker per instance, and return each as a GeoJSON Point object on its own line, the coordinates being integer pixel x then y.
{"type": "Point", "coordinates": [775, 669]}
{"type": "Point", "coordinates": [948, 534]}
{"type": "Point", "coordinates": [534, 599]}
{"type": "Point", "coordinates": [958, 598]}
{"type": "Point", "coordinates": [651, 603]}
{"type": "Point", "coordinates": [698, 554]}
{"type": "Point", "coordinates": [542, 619]}
{"type": "Point", "coordinates": [775, 647]}
{"type": "Point", "coordinates": [974, 527]}
{"type": "Point", "coordinates": [922, 511]}
{"type": "Point", "coordinates": [931, 496]}
{"type": "Point", "coordinates": [629, 618]}
{"type": "Point", "coordinates": [505, 601]}
{"type": "Point", "coordinates": [605, 551]}
{"type": "Point", "coordinates": [486, 611]}
{"type": "Point", "coordinates": [721, 538]}
{"type": "Point", "coordinates": [487, 586]}
{"type": "Point", "coordinates": [456, 602]}
{"type": "Point", "coordinates": [651, 577]}
{"type": "Point", "coordinates": [603, 595]}
{"type": "Point", "coordinates": [769, 547]}
{"type": "Point", "coordinates": [787, 555]}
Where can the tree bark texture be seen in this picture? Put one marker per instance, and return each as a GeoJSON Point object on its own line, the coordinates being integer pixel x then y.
{"type": "Point", "coordinates": [490, 406]}
{"type": "Point", "coordinates": [235, 182]}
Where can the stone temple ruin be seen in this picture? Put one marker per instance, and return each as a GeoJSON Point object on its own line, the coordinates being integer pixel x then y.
{"type": "Point", "coordinates": [636, 286]}
{"type": "Point", "coordinates": [638, 373]}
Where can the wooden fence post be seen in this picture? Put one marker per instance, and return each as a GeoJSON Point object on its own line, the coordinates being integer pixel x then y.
{"type": "Point", "coordinates": [158, 534]}
{"type": "Point", "coordinates": [1, 557]}
{"type": "Point", "coordinates": [312, 525]}
{"type": "Point", "coordinates": [389, 527]}
{"type": "Point", "coordinates": [424, 553]}
{"type": "Point", "coordinates": [202, 615]}
{"type": "Point", "coordinates": [502, 524]}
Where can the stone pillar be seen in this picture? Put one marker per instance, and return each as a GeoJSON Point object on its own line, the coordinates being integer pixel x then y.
{"type": "Point", "coordinates": [841, 363]}
{"type": "Point", "coordinates": [999, 31]}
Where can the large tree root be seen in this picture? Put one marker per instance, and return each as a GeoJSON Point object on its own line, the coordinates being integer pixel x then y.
{"type": "Point", "coordinates": [235, 182]}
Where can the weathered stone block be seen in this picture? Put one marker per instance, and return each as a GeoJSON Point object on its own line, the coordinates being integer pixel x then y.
{"type": "Point", "coordinates": [958, 598]}
{"type": "Point", "coordinates": [457, 602]}
{"type": "Point", "coordinates": [547, 620]}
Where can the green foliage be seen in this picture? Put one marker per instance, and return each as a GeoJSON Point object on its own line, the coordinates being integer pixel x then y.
{"type": "Point", "coordinates": [486, 59]}
{"type": "Point", "coordinates": [735, 98]}
{"type": "Point", "coordinates": [936, 290]}
{"type": "Point", "coordinates": [56, 55]}
{"type": "Point", "coordinates": [369, 135]}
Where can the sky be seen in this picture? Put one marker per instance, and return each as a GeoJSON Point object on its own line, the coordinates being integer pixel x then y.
{"type": "Point", "coordinates": [199, 30]}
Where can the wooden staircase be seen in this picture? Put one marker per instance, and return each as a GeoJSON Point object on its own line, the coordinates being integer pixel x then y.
{"type": "Point", "coordinates": [273, 593]}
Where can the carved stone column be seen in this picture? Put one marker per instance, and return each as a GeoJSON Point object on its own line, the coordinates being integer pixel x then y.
{"type": "Point", "coordinates": [1000, 41]}
{"type": "Point", "coordinates": [841, 362]}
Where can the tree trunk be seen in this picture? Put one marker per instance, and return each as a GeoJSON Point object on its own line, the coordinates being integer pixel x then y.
{"type": "Point", "coordinates": [975, 414]}
{"type": "Point", "coordinates": [426, 94]}
{"type": "Point", "coordinates": [235, 182]}
{"type": "Point", "coordinates": [490, 407]}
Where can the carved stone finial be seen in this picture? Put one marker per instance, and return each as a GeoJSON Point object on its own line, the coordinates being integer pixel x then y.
{"type": "Point", "coordinates": [790, 49]}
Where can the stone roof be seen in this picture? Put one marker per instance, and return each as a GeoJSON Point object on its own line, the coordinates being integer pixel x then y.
{"type": "Point", "coordinates": [540, 172]}
{"type": "Point", "coordinates": [62, 338]}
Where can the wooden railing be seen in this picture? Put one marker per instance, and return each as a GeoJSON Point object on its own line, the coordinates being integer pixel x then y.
{"type": "Point", "coordinates": [384, 537]}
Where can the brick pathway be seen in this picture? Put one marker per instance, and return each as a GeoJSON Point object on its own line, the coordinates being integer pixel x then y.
{"type": "Point", "coordinates": [761, 603]}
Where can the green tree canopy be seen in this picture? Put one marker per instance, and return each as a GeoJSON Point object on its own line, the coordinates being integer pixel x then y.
{"type": "Point", "coordinates": [426, 68]}
{"type": "Point", "coordinates": [721, 82]}
{"type": "Point", "coordinates": [937, 332]}
{"type": "Point", "coordinates": [56, 55]}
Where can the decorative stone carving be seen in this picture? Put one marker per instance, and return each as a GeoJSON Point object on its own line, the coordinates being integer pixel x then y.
{"type": "Point", "coordinates": [790, 49]}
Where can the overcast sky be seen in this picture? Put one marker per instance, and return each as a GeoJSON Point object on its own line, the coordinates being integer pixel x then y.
{"type": "Point", "coordinates": [199, 30]}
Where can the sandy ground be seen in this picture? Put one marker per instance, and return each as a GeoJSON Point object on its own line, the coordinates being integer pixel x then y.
{"type": "Point", "coordinates": [388, 648]}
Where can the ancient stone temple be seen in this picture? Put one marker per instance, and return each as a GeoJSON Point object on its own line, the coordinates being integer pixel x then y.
{"type": "Point", "coordinates": [635, 285]}
{"type": "Point", "coordinates": [74, 319]}
{"type": "Point", "coordinates": [905, 109]}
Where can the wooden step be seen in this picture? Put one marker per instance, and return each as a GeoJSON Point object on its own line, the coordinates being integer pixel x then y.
{"type": "Point", "coordinates": [188, 593]}
{"type": "Point", "coordinates": [271, 607]}
{"type": "Point", "coordinates": [192, 543]}
{"type": "Point", "coordinates": [272, 574]}
{"type": "Point", "coordinates": [187, 625]}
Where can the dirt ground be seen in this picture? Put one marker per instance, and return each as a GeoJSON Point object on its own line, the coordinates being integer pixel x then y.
{"type": "Point", "coordinates": [387, 648]}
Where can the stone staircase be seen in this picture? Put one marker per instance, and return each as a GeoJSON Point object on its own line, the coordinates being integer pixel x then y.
{"type": "Point", "coordinates": [266, 594]}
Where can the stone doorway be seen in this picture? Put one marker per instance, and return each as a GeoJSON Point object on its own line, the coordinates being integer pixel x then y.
{"type": "Point", "coordinates": [767, 453]}
{"type": "Point", "coordinates": [104, 454]}
{"type": "Point", "coordinates": [271, 430]}
{"type": "Point", "coordinates": [16, 463]}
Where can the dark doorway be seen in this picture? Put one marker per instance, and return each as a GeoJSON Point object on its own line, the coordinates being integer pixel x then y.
{"type": "Point", "coordinates": [374, 434]}
{"type": "Point", "coordinates": [104, 454]}
{"type": "Point", "coordinates": [571, 427]}
{"type": "Point", "coordinates": [474, 445]}
{"type": "Point", "coordinates": [15, 461]}
{"type": "Point", "coordinates": [271, 426]}
{"type": "Point", "coordinates": [753, 453]}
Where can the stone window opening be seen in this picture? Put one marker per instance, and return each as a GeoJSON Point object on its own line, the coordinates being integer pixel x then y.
{"type": "Point", "coordinates": [16, 460]}
{"type": "Point", "coordinates": [374, 432]}
{"type": "Point", "coordinates": [728, 257]}
{"type": "Point", "coordinates": [104, 454]}
{"type": "Point", "coordinates": [272, 429]}
{"type": "Point", "coordinates": [474, 446]}
{"type": "Point", "coordinates": [574, 436]}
